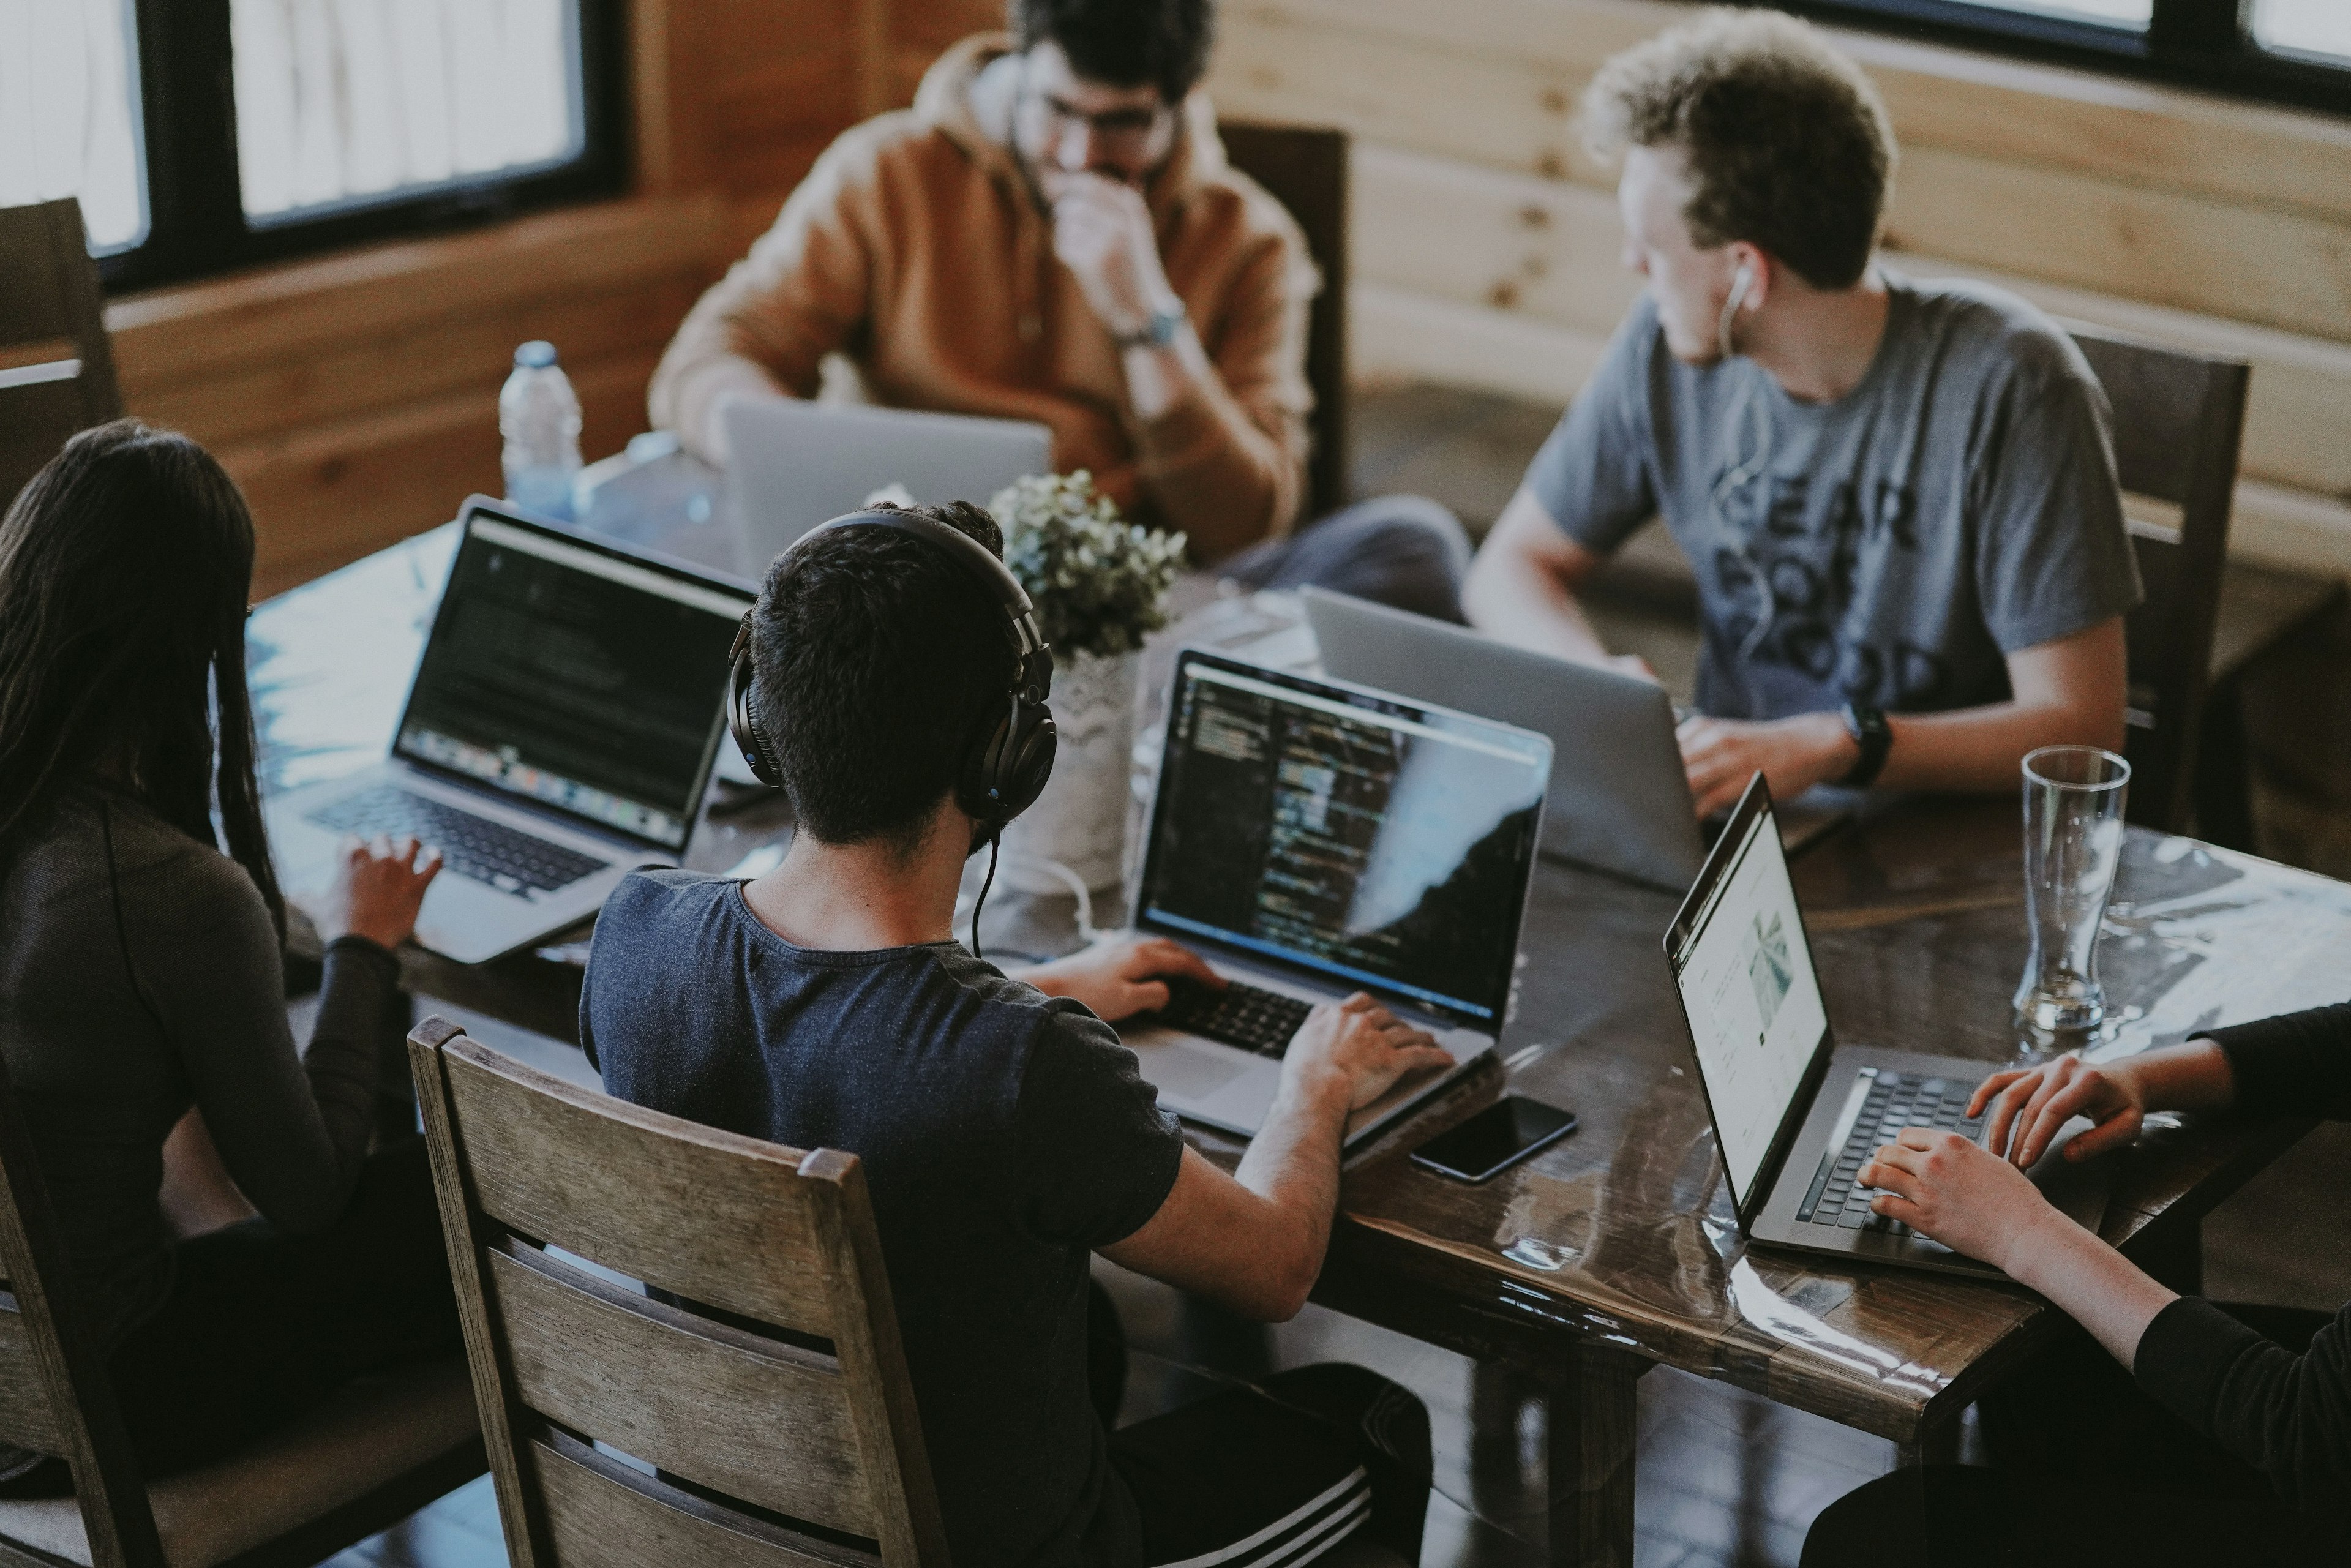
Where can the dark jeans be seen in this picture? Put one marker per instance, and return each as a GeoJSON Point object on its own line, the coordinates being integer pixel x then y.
{"type": "Point", "coordinates": [2087, 1472]}
{"type": "Point", "coordinates": [1406, 551]}
{"type": "Point", "coordinates": [1298, 1459]}
{"type": "Point", "coordinates": [261, 1326]}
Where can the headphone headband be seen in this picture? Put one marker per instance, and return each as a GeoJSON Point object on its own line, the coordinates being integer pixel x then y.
{"type": "Point", "coordinates": [975, 557]}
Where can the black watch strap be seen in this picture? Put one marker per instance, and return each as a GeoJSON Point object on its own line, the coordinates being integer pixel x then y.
{"type": "Point", "coordinates": [1870, 732]}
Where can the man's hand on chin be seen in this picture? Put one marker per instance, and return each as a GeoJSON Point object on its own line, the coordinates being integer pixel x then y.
{"type": "Point", "coordinates": [1102, 234]}
{"type": "Point", "coordinates": [1793, 754]}
{"type": "Point", "coordinates": [1119, 978]}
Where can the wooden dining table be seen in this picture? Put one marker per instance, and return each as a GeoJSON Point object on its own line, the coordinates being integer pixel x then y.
{"type": "Point", "coordinates": [1615, 1250]}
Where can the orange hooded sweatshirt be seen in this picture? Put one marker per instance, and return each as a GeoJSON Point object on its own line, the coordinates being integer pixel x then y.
{"type": "Point", "coordinates": [917, 247]}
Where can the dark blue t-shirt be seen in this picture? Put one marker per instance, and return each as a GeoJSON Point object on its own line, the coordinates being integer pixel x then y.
{"type": "Point", "coordinates": [1005, 1136]}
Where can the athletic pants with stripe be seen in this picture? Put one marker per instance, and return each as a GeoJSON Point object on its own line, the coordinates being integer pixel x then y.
{"type": "Point", "coordinates": [1273, 1475]}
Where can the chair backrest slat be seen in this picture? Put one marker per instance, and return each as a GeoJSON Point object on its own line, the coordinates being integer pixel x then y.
{"type": "Point", "coordinates": [57, 367]}
{"type": "Point", "coordinates": [58, 1398]}
{"type": "Point", "coordinates": [758, 1373]}
{"type": "Point", "coordinates": [570, 1167]}
{"type": "Point", "coordinates": [603, 1514]}
{"type": "Point", "coordinates": [2179, 419]}
{"type": "Point", "coordinates": [768, 1423]}
{"type": "Point", "coordinates": [27, 1416]}
{"type": "Point", "coordinates": [1305, 168]}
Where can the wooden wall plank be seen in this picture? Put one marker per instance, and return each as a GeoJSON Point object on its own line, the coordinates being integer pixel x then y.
{"type": "Point", "coordinates": [327, 495]}
{"type": "Point", "coordinates": [2082, 120]}
{"type": "Point", "coordinates": [2274, 265]}
{"type": "Point", "coordinates": [400, 365]}
{"type": "Point", "coordinates": [189, 332]}
{"type": "Point", "coordinates": [1549, 249]}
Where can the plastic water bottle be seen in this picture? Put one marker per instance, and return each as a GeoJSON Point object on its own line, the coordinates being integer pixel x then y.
{"type": "Point", "coordinates": [539, 414]}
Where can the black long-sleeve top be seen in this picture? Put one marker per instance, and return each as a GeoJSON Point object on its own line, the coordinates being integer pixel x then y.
{"type": "Point", "coordinates": [2288, 1416]}
{"type": "Point", "coordinates": [140, 975]}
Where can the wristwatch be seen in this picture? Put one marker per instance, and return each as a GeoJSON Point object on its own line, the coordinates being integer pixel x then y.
{"type": "Point", "coordinates": [1160, 330]}
{"type": "Point", "coordinates": [1870, 731]}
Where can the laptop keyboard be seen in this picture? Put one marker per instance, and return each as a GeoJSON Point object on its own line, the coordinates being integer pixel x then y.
{"type": "Point", "coordinates": [1895, 1101]}
{"type": "Point", "coordinates": [506, 858]}
{"type": "Point", "coordinates": [1247, 1016]}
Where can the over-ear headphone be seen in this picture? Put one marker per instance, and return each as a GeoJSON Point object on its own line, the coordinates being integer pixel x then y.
{"type": "Point", "coordinates": [1002, 774]}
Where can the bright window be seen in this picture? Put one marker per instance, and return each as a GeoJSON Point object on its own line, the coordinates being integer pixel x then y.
{"type": "Point", "coordinates": [348, 103]}
{"type": "Point", "coordinates": [2304, 26]}
{"type": "Point", "coordinates": [2125, 12]}
{"type": "Point", "coordinates": [69, 122]}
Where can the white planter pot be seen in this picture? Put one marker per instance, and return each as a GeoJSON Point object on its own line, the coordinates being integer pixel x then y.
{"type": "Point", "coordinates": [1081, 819]}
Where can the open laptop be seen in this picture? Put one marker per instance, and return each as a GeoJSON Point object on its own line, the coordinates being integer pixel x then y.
{"type": "Point", "coordinates": [1619, 798]}
{"type": "Point", "coordinates": [558, 732]}
{"type": "Point", "coordinates": [792, 464]}
{"type": "Point", "coordinates": [1311, 840]}
{"type": "Point", "coordinates": [1795, 1114]}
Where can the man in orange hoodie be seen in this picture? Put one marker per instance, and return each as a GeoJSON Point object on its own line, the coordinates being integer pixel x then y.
{"type": "Point", "coordinates": [1053, 232]}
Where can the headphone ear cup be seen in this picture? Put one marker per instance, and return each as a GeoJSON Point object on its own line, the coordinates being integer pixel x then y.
{"type": "Point", "coordinates": [1035, 742]}
{"type": "Point", "coordinates": [1007, 771]}
{"type": "Point", "coordinates": [743, 718]}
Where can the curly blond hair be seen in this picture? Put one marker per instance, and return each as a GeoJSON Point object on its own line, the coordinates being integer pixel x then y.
{"type": "Point", "coordinates": [1790, 148]}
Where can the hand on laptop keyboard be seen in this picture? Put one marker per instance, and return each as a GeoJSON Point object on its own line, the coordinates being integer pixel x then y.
{"type": "Point", "coordinates": [1946, 1186]}
{"type": "Point", "coordinates": [1368, 1046]}
{"type": "Point", "coordinates": [377, 889]}
{"type": "Point", "coordinates": [1120, 978]}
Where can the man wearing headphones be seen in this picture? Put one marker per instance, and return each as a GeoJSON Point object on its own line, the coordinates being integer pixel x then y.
{"type": "Point", "coordinates": [1898, 498]}
{"type": "Point", "coordinates": [891, 679]}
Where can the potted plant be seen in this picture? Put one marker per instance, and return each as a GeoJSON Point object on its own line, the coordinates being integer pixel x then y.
{"type": "Point", "coordinates": [1098, 584]}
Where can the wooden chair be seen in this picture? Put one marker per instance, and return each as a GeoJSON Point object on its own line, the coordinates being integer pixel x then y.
{"type": "Point", "coordinates": [57, 368]}
{"type": "Point", "coordinates": [2179, 419]}
{"type": "Point", "coordinates": [1305, 169]}
{"type": "Point", "coordinates": [361, 1465]}
{"type": "Point", "coordinates": [775, 1425]}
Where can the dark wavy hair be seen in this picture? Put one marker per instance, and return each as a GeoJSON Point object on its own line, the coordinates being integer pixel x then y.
{"type": "Point", "coordinates": [1124, 43]}
{"type": "Point", "coordinates": [124, 567]}
{"type": "Point", "coordinates": [1790, 147]}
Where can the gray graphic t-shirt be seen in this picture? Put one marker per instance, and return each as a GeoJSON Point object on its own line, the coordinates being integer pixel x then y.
{"type": "Point", "coordinates": [1888, 549]}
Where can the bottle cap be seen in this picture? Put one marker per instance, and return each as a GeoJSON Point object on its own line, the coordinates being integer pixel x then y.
{"type": "Point", "coordinates": [535, 355]}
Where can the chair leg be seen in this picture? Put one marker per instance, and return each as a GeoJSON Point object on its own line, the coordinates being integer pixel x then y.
{"type": "Point", "coordinates": [2223, 784]}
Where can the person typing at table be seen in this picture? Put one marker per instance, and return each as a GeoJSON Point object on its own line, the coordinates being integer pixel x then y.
{"type": "Point", "coordinates": [1898, 498]}
{"type": "Point", "coordinates": [1053, 232]}
{"type": "Point", "coordinates": [142, 995]}
{"type": "Point", "coordinates": [2234, 1448]}
{"type": "Point", "coordinates": [1005, 1134]}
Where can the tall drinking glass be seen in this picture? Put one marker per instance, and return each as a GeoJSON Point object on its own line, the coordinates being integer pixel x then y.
{"type": "Point", "coordinates": [2072, 840]}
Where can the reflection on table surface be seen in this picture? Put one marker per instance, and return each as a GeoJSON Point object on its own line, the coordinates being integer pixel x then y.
{"type": "Point", "coordinates": [1621, 1234]}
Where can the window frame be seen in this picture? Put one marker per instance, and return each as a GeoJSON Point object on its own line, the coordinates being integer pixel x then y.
{"type": "Point", "coordinates": [196, 226]}
{"type": "Point", "coordinates": [2202, 44]}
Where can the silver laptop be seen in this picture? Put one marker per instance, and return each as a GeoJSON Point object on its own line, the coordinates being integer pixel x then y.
{"type": "Point", "coordinates": [1619, 798]}
{"type": "Point", "coordinates": [1795, 1114]}
{"type": "Point", "coordinates": [558, 732]}
{"type": "Point", "coordinates": [1313, 839]}
{"type": "Point", "coordinates": [792, 464]}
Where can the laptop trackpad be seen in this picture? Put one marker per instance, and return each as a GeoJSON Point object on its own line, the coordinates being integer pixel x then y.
{"type": "Point", "coordinates": [1187, 1074]}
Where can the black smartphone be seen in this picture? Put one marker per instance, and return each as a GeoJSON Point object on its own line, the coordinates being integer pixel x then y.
{"type": "Point", "coordinates": [1495, 1139]}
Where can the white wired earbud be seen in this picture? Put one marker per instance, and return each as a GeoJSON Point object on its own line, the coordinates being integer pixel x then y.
{"type": "Point", "coordinates": [1746, 470]}
{"type": "Point", "coordinates": [1741, 286]}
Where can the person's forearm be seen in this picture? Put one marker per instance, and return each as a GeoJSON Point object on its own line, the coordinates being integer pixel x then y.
{"type": "Point", "coordinates": [1981, 749]}
{"type": "Point", "coordinates": [2091, 1282]}
{"type": "Point", "coordinates": [2195, 1076]}
{"type": "Point", "coordinates": [1293, 1165]}
{"type": "Point", "coordinates": [1211, 471]}
{"type": "Point", "coordinates": [1527, 606]}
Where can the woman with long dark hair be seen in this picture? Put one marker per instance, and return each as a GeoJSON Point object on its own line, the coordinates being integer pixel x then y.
{"type": "Point", "coordinates": [142, 972]}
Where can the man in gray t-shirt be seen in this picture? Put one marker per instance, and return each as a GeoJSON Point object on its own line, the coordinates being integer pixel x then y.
{"type": "Point", "coordinates": [1898, 498]}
